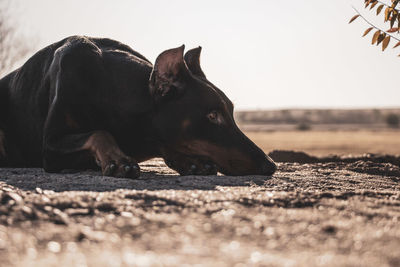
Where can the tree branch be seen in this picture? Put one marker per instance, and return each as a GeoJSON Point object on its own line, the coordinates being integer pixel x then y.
{"type": "Point", "coordinates": [398, 10]}
{"type": "Point", "coordinates": [372, 25]}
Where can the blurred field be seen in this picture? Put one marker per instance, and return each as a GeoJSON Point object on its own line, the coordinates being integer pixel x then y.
{"type": "Point", "coordinates": [322, 143]}
{"type": "Point", "coordinates": [343, 117]}
{"type": "Point", "coordinates": [322, 132]}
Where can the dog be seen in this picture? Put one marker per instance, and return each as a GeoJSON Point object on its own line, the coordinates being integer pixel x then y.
{"type": "Point", "coordinates": [88, 102]}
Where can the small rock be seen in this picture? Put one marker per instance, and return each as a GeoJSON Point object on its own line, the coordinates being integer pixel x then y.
{"type": "Point", "coordinates": [126, 214]}
{"type": "Point", "coordinates": [54, 247]}
{"type": "Point", "coordinates": [78, 212]}
{"type": "Point", "coordinates": [11, 198]}
{"type": "Point", "coordinates": [39, 190]}
{"type": "Point", "coordinates": [60, 217]}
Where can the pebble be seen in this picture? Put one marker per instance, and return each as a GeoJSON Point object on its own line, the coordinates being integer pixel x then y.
{"type": "Point", "coordinates": [54, 246]}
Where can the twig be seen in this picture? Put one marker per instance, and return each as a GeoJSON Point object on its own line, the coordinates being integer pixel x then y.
{"type": "Point", "coordinates": [397, 39]}
{"type": "Point", "coordinates": [398, 10]}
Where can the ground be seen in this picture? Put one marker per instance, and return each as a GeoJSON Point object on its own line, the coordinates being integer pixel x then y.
{"type": "Point", "coordinates": [312, 212]}
{"type": "Point", "coordinates": [323, 140]}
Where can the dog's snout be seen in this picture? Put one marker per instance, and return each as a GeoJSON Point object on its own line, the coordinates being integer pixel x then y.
{"type": "Point", "coordinates": [268, 167]}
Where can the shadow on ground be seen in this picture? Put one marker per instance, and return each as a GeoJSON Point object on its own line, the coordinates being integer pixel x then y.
{"type": "Point", "coordinates": [30, 179]}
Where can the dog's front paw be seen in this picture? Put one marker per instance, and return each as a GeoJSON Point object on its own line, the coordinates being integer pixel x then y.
{"type": "Point", "coordinates": [192, 166]}
{"type": "Point", "coordinates": [123, 167]}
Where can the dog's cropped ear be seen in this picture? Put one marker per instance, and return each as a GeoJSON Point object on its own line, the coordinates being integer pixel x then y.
{"type": "Point", "coordinates": [169, 74]}
{"type": "Point", "coordinates": [192, 59]}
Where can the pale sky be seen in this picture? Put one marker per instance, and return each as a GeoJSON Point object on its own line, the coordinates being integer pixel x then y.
{"type": "Point", "coordinates": [263, 54]}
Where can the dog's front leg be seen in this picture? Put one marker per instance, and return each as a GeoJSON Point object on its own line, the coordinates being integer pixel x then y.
{"type": "Point", "coordinates": [76, 151]}
{"type": "Point", "coordinates": [107, 154]}
{"type": "Point", "coordinates": [76, 134]}
{"type": "Point", "coordinates": [70, 142]}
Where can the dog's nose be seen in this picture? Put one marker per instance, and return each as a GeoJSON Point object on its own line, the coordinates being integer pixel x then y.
{"type": "Point", "coordinates": [268, 168]}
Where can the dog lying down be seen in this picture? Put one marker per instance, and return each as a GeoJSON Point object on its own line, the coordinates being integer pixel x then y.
{"type": "Point", "coordinates": [92, 102]}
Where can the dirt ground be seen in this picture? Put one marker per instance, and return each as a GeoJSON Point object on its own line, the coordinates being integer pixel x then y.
{"type": "Point", "coordinates": [337, 211]}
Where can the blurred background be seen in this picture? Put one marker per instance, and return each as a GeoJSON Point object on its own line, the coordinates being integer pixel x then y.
{"type": "Point", "coordinates": [300, 76]}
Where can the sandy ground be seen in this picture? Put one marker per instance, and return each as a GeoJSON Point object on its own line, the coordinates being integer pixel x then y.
{"type": "Point", "coordinates": [328, 212]}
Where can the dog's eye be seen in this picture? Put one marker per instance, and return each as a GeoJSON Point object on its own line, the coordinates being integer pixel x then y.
{"type": "Point", "coordinates": [213, 117]}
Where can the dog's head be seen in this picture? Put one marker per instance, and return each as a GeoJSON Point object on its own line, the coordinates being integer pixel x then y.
{"type": "Point", "coordinates": [195, 118]}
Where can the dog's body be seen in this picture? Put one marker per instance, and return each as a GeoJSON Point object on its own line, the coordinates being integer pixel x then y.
{"type": "Point", "coordinates": [83, 101]}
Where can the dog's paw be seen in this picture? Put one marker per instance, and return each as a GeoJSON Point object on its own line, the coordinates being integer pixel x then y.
{"type": "Point", "coordinates": [192, 166]}
{"type": "Point", "coordinates": [124, 167]}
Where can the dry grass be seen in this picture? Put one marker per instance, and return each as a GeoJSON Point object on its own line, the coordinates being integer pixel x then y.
{"type": "Point", "coordinates": [322, 143]}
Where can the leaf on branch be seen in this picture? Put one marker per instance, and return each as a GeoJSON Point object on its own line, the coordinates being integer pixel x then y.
{"type": "Point", "coordinates": [379, 9]}
{"type": "Point", "coordinates": [393, 30]}
{"type": "Point", "coordinates": [375, 37]}
{"type": "Point", "coordinates": [385, 43]}
{"type": "Point", "coordinates": [367, 31]}
{"type": "Point", "coordinates": [388, 10]}
{"type": "Point", "coordinates": [381, 38]}
{"type": "Point", "coordinates": [393, 20]}
{"type": "Point", "coordinates": [373, 5]}
{"type": "Point", "coordinates": [396, 45]}
{"type": "Point", "coordinates": [353, 18]}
